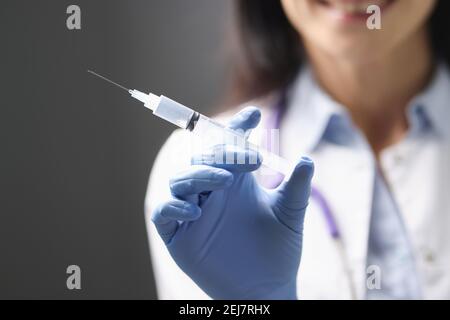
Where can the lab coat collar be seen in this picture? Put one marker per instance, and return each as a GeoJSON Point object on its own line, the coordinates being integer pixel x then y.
{"type": "Point", "coordinates": [312, 110]}
{"type": "Point", "coordinates": [435, 102]}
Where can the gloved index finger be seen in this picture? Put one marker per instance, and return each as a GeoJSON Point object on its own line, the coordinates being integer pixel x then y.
{"type": "Point", "coordinates": [200, 179]}
{"type": "Point", "coordinates": [247, 119]}
{"type": "Point", "coordinates": [232, 158]}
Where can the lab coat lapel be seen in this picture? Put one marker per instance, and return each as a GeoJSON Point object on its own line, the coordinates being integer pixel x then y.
{"type": "Point", "coordinates": [345, 178]}
{"type": "Point", "coordinates": [344, 174]}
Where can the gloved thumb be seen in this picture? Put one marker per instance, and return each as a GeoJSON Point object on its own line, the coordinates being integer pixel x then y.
{"type": "Point", "coordinates": [292, 197]}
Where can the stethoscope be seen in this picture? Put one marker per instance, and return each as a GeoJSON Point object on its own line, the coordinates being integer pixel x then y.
{"type": "Point", "coordinates": [274, 120]}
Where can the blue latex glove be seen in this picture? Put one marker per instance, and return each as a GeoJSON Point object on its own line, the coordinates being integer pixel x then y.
{"type": "Point", "coordinates": [234, 238]}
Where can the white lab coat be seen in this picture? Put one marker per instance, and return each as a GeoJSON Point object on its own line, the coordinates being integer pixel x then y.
{"type": "Point", "coordinates": [418, 173]}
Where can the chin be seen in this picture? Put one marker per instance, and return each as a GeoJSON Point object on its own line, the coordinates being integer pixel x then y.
{"type": "Point", "coordinates": [358, 49]}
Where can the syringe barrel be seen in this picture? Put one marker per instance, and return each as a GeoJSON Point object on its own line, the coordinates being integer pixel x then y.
{"type": "Point", "coordinates": [212, 133]}
{"type": "Point", "coordinates": [174, 112]}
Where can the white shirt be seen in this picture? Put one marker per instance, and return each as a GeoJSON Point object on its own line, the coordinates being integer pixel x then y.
{"type": "Point", "coordinates": [416, 171]}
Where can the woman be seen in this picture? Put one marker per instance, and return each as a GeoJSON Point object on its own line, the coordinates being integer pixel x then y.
{"type": "Point", "coordinates": [370, 108]}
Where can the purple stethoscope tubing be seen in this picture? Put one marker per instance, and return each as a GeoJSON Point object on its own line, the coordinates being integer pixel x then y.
{"type": "Point", "coordinates": [274, 122]}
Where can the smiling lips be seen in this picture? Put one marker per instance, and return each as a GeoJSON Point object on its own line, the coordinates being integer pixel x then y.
{"type": "Point", "coordinates": [353, 7]}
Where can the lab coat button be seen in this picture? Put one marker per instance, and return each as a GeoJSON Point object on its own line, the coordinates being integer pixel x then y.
{"type": "Point", "coordinates": [429, 257]}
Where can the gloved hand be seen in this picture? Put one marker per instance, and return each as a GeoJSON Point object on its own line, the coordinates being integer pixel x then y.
{"type": "Point", "coordinates": [234, 238]}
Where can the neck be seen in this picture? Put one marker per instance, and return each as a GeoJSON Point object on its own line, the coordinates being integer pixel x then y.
{"type": "Point", "coordinates": [377, 92]}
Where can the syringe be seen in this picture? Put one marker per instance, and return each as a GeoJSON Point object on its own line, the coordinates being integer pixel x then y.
{"type": "Point", "coordinates": [188, 119]}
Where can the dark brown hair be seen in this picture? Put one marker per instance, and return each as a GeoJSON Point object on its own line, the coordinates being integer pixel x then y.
{"type": "Point", "coordinates": [268, 52]}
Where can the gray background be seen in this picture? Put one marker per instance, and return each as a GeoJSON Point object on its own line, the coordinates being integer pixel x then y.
{"type": "Point", "coordinates": [75, 152]}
